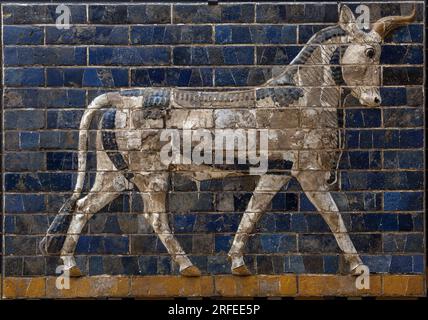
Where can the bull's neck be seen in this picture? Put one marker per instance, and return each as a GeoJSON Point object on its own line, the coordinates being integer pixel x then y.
{"type": "Point", "coordinates": [315, 76]}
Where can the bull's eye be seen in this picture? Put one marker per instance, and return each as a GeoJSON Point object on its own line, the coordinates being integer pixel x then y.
{"type": "Point", "coordinates": [370, 53]}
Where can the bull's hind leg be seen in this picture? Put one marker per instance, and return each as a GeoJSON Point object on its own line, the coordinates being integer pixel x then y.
{"type": "Point", "coordinates": [102, 193]}
{"type": "Point", "coordinates": [154, 188]}
{"type": "Point", "coordinates": [266, 189]}
{"type": "Point", "coordinates": [314, 184]}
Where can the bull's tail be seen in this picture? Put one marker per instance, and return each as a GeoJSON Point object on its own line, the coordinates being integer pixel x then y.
{"type": "Point", "coordinates": [55, 236]}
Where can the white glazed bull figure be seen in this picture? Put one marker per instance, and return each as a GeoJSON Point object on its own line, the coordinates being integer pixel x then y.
{"type": "Point", "coordinates": [307, 145]}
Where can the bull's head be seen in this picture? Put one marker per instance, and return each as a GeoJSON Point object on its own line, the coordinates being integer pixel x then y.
{"type": "Point", "coordinates": [360, 61]}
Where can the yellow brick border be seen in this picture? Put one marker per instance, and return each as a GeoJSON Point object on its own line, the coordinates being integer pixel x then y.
{"type": "Point", "coordinates": [214, 286]}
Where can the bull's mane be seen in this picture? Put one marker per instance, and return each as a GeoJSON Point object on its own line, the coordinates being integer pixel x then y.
{"type": "Point", "coordinates": [286, 77]}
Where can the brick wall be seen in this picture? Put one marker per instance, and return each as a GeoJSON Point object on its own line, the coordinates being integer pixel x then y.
{"type": "Point", "coordinates": [51, 75]}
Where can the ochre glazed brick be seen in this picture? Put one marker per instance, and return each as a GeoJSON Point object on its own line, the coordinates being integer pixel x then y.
{"type": "Point", "coordinates": [24, 288]}
{"type": "Point", "coordinates": [332, 285]}
{"type": "Point", "coordinates": [206, 286]}
{"type": "Point", "coordinates": [402, 285]}
{"type": "Point", "coordinates": [171, 286]}
{"type": "Point", "coordinates": [87, 287]}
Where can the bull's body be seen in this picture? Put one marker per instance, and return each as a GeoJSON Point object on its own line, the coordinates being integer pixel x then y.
{"type": "Point", "coordinates": [300, 108]}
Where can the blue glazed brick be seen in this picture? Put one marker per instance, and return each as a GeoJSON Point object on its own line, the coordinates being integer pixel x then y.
{"type": "Point", "coordinates": [42, 98]}
{"type": "Point", "coordinates": [377, 263]}
{"type": "Point", "coordinates": [282, 222]}
{"type": "Point", "coordinates": [403, 159]}
{"type": "Point", "coordinates": [16, 35]}
{"type": "Point", "coordinates": [59, 139]}
{"type": "Point", "coordinates": [34, 266]}
{"type": "Point", "coordinates": [386, 139]}
{"type": "Point", "coordinates": [367, 243]}
{"type": "Point", "coordinates": [227, 222]}
{"type": "Point", "coordinates": [412, 138]}
{"type": "Point", "coordinates": [285, 201]}
{"type": "Point", "coordinates": [95, 35]}
{"type": "Point", "coordinates": [129, 56]}
{"type": "Point", "coordinates": [382, 180]}
{"type": "Point", "coordinates": [403, 117]}
{"type": "Point", "coordinates": [418, 263]}
{"type": "Point", "coordinates": [20, 245]}
{"type": "Point", "coordinates": [92, 77]}
{"type": "Point", "coordinates": [184, 223]}
{"type": "Point", "coordinates": [213, 55]}
{"type": "Point", "coordinates": [146, 244]}
{"type": "Point", "coordinates": [313, 263]}
{"type": "Point", "coordinates": [129, 14]}
{"type": "Point", "coordinates": [102, 244]}
{"type": "Point", "coordinates": [403, 201]}
{"type": "Point", "coordinates": [64, 119]}
{"type": "Point", "coordinates": [405, 222]}
{"type": "Point", "coordinates": [305, 204]}
{"type": "Point", "coordinates": [296, 13]}
{"type": "Point", "coordinates": [266, 223]}
{"type": "Point", "coordinates": [180, 77]}
{"type": "Point", "coordinates": [276, 55]}
{"type": "Point", "coordinates": [24, 77]}
{"type": "Point", "coordinates": [148, 265]}
{"type": "Point", "coordinates": [317, 243]}
{"type": "Point", "coordinates": [408, 34]}
{"type": "Point", "coordinates": [294, 264]}
{"type": "Point", "coordinates": [316, 223]}
{"type": "Point", "coordinates": [223, 243]}
{"type": "Point", "coordinates": [306, 31]}
{"type": "Point", "coordinates": [24, 119]}
{"type": "Point", "coordinates": [276, 243]}
{"type": "Point", "coordinates": [268, 264]}
{"type": "Point", "coordinates": [49, 182]}
{"type": "Point", "coordinates": [28, 224]}
{"type": "Point", "coordinates": [393, 96]}
{"type": "Point", "coordinates": [47, 56]}
{"type": "Point", "coordinates": [393, 54]}
{"type": "Point", "coordinates": [404, 243]}
{"type": "Point", "coordinates": [331, 264]}
{"type": "Point", "coordinates": [96, 265]}
{"type": "Point", "coordinates": [218, 265]}
{"type": "Point", "coordinates": [401, 264]}
{"type": "Point", "coordinates": [173, 34]}
{"type": "Point", "coordinates": [61, 161]}
{"type": "Point", "coordinates": [298, 223]}
{"type": "Point", "coordinates": [261, 34]}
{"type": "Point", "coordinates": [241, 76]}
{"type": "Point", "coordinates": [363, 118]}
{"type": "Point", "coordinates": [361, 160]}
{"type": "Point", "coordinates": [402, 75]}
{"type": "Point", "coordinates": [29, 140]}
{"type": "Point", "coordinates": [24, 161]}
{"type": "Point", "coordinates": [35, 14]}
{"type": "Point", "coordinates": [221, 13]}
{"type": "Point", "coordinates": [24, 203]}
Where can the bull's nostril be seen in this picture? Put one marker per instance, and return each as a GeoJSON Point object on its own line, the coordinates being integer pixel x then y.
{"type": "Point", "coordinates": [376, 100]}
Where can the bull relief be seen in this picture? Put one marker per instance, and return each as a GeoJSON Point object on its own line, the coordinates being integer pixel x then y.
{"type": "Point", "coordinates": [296, 165]}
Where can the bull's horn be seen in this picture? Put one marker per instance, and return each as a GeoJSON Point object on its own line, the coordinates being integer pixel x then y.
{"type": "Point", "coordinates": [385, 25]}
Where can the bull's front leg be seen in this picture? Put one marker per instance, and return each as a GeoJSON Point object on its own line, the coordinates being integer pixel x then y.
{"type": "Point", "coordinates": [266, 189]}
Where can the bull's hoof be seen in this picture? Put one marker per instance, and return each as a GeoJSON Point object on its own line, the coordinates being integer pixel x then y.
{"type": "Point", "coordinates": [241, 271]}
{"type": "Point", "coordinates": [191, 271]}
{"type": "Point", "coordinates": [74, 272]}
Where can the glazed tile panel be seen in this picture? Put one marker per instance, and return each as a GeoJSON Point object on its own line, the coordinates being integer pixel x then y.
{"type": "Point", "coordinates": [51, 75]}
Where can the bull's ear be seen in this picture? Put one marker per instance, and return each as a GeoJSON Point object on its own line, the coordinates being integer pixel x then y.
{"type": "Point", "coordinates": [347, 20]}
